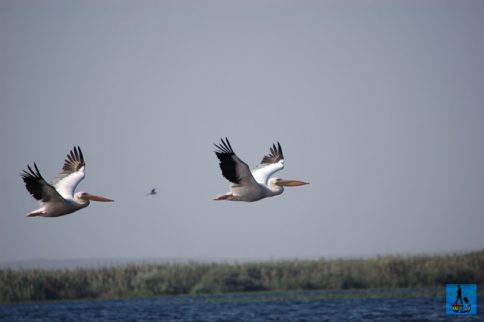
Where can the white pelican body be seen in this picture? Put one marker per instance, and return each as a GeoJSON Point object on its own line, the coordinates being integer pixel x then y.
{"type": "Point", "coordinates": [256, 184]}
{"type": "Point", "coordinates": [59, 199]}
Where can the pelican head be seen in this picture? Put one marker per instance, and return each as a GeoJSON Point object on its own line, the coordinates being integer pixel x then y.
{"type": "Point", "coordinates": [276, 185]}
{"type": "Point", "coordinates": [84, 197]}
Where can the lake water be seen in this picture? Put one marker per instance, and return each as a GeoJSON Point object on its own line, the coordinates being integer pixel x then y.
{"type": "Point", "coordinates": [366, 305]}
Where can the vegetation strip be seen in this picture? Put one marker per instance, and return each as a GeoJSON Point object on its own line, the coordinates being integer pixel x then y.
{"type": "Point", "coordinates": [388, 272]}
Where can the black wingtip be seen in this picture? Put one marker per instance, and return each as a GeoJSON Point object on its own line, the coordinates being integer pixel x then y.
{"type": "Point", "coordinates": [25, 174]}
{"type": "Point", "coordinates": [37, 170]}
{"type": "Point", "coordinates": [280, 149]}
{"type": "Point", "coordinates": [74, 157]}
{"type": "Point", "coordinates": [275, 154]}
{"type": "Point", "coordinates": [227, 164]}
{"type": "Point", "coordinates": [80, 154]}
{"type": "Point", "coordinates": [31, 173]}
{"type": "Point", "coordinates": [223, 147]}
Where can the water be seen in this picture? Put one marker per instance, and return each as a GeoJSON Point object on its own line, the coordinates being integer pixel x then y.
{"type": "Point", "coordinates": [368, 305]}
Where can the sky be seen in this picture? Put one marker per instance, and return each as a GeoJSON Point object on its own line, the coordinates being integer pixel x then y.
{"type": "Point", "coordinates": [378, 104]}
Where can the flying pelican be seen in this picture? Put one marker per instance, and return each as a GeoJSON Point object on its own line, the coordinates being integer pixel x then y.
{"type": "Point", "coordinates": [255, 184]}
{"type": "Point", "coordinates": [59, 199]}
{"type": "Point", "coordinates": [152, 192]}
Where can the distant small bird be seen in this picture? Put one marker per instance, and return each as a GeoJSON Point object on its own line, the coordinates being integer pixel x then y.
{"type": "Point", "coordinates": [255, 184]}
{"type": "Point", "coordinates": [59, 199]}
{"type": "Point", "coordinates": [152, 192]}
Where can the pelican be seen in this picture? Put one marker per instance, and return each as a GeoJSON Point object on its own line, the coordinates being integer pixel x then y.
{"type": "Point", "coordinates": [59, 199]}
{"type": "Point", "coordinates": [255, 184]}
{"type": "Point", "coordinates": [152, 192]}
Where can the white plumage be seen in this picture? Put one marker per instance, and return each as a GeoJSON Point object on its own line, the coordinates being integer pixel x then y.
{"type": "Point", "coordinates": [59, 199]}
{"type": "Point", "coordinates": [256, 184]}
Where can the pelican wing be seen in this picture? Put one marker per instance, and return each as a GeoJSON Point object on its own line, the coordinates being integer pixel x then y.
{"type": "Point", "coordinates": [274, 156]}
{"type": "Point", "coordinates": [72, 173]}
{"type": "Point", "coordinates": [38, 187]}
{"type": "Point", "coordinates": [270, 164]}
{"type": "Point", "coordinates": [233, 169]}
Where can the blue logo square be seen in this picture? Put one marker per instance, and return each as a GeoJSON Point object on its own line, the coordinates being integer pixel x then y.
{"type": "Point", "coordinates": [461, 299]}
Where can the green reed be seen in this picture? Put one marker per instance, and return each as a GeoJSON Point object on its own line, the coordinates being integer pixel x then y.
{"type": "Point", "coordinates": [19, 285]}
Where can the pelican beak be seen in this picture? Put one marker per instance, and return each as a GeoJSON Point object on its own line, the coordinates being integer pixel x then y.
{"type": "Point", "coordinates": [290, 183]}
{"type": "Point", "coordinates": [98, 198]}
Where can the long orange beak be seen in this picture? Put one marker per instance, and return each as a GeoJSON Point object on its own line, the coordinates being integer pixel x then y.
{"type": "Point", "coordinates": [98, 198]}
{"type": "Point", "coordinates": [290, 183]}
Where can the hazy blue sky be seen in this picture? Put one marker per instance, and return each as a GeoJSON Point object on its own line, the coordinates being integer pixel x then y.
{"type": "Point", "coordinates": [378, 104]}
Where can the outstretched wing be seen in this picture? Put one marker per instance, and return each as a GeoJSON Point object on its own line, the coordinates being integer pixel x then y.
{"type": "Point", "coordinates": [72, 173]}
{"type": "Point", "coordinates": [233, 169]}
{"type": "Point", "coordinates": [274, 156]}
{"type": "Point", "coordinates": [270, 164]}
{"type": "Point", "coordinates": [38, 187]}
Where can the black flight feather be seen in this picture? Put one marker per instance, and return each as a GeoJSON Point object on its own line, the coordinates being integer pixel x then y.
{"type": "Point", "coordinates": [274, 156]}
{"type": "Point", "coordinates": [35, 183]}
{"type": "Point", "coordinates": [228, 163]}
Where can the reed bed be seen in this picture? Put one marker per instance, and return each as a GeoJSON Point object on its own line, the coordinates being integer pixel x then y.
{"type": "Point", "coordinates": [22, 285]}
